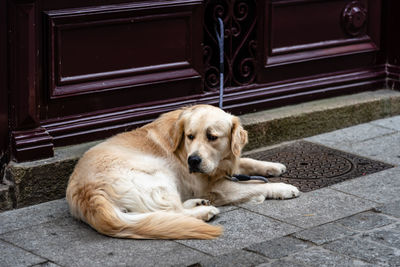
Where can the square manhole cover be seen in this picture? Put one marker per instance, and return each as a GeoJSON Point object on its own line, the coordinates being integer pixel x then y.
{"type": "Point", "coordinates": [311, 166]}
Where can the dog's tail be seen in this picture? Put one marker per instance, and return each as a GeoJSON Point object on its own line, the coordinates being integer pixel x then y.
{"type": "Point", "coordinates": [103, 216]}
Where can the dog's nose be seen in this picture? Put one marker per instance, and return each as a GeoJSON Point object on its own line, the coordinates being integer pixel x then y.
{"type": "Point", "coordinates": [194, 161]}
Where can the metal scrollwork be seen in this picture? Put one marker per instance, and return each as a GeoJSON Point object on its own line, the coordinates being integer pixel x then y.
{"type": "Point", "coordinates": [239, 17]}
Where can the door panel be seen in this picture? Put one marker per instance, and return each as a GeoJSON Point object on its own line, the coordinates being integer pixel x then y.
{"type": "Point", "coordinates": [335, 35]}
{"type": "Point", "coordinates": [121, 55]}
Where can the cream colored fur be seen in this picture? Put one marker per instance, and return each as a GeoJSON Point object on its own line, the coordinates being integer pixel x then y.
{"type": "Point", "coordinates": [138, 185]}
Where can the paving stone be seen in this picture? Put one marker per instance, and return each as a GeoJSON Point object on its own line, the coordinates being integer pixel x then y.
{"type": "Point", "coordinates": [324, 233]}
{"type": "Point", "coordinates": [394, 261]}
{"type": "Point", "coordinates": [392, 209]}
{"type": "Point", "coordinates": [6, 196]}
{"type": "Point", "coordinates": [70, 243]}
{"type": "Point", "coordinates": [13, 256]}
{"type": "Point", "coordinates": [320, 257]}
{"type": "Point", "coordinates": [241, 228]}
{"type": "Point", "coordinates": [312, 208]}
{"type": "Point", "coordinates": [237, 258]}
{"type": "Point", "coordinates": [223, 209]}
{"type": "Point", "coordinates": [281, 263]}
{"type": "Point", "coordinates": [33, 215]}
{"type": "Point", "coordinates": [280, 247]}
{"type": "Point", "coordinates": [385, 148]}
{"type": "Point", "coordinates": [389, 236]}
{"type": "Point", "coordinates": [351, 135]}
{"type": "Point", "coordinates": [382, 187]}
{"type": "Point", "coordinates": [366, 221]}
{"type": "Point", "coordinates": [46, 264]}
{"type": "Point", "coordinates": [391, 123]}
{"type": "Point", "coordinates": [360, 248]}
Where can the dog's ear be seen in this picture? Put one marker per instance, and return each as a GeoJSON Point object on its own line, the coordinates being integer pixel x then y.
{"type": "Point", "coordinates": [239, 137]}
{"type": "Point", "coordinates": [176, 132]}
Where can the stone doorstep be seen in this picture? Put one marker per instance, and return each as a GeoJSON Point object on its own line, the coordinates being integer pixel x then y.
{"type": "Point", "coordinates": [6, 199]}
{"type": "Point", "coordinates": [34, 182]}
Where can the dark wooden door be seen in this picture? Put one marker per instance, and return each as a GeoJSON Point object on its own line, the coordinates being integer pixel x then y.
{"type": "Point", "coordinates": [4, 130]}
{"type": "Point", "coordinates": [83, 70]}
{"type": "Point", "coordinates": [391, 42]}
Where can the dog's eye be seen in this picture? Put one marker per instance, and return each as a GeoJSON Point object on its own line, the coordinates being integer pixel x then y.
{"type": "Point", "coordinates": [211, 137]}
{"type": "Point", "coordinates": [190, 136]}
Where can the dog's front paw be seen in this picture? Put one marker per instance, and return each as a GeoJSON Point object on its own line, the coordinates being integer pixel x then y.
{"type": "Point", "coordinates": [283, 191]}
{"type": "Point", "coordinates": [205, 213]}
{"type": "Point", "coordinates": [275, 169]}
{"type": "Point", "coordinates": [211, 213]}
{"type": "Point", "coordinates": [191, 203]}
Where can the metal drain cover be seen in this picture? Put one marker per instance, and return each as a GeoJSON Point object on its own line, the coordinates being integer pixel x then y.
{"type": "Point", "coordinates": [311, 166]}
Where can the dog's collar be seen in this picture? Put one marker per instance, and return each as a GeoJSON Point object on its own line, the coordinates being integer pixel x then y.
{"type": "Point", "coordinates": [242, 177]}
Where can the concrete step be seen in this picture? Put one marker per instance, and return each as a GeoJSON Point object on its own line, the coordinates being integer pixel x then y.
{"type": "Point", "coordinates": [29, 183]}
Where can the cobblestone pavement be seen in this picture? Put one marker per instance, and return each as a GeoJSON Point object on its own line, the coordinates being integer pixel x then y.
{"type": "Point", "coordinates": [354, 223]}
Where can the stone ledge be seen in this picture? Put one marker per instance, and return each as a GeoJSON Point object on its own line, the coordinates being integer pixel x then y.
{"type": "Point", "coordinates": [311, 118]}
{"type": "Point", "coordinates": [38, 181]}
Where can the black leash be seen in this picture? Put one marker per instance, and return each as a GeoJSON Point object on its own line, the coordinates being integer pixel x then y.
{"type": "Point", "coordinates": [242, 177]}
{"type": "Point", "coordinates": [220, 38]}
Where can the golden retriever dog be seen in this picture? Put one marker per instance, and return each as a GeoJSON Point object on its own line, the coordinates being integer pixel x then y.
{"type": "Point", "coordinates": [163, 180]}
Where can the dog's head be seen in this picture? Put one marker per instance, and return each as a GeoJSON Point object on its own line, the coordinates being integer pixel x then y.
{"type": "Point", "coordinates": [206, 136]}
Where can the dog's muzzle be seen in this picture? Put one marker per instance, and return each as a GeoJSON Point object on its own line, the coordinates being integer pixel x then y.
{"type": "Point", "coordinates": [194, 162]}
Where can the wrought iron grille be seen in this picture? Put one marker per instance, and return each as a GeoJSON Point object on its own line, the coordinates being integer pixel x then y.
{"type": "Point", "coordinates": [240, 19]}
